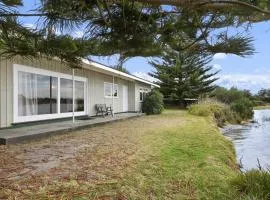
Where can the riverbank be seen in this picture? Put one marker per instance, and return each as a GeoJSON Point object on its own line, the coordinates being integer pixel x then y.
{"type": "Point", "coordinates": [261, 107]}
{"type": "Point", "coordinates": [170, 156]}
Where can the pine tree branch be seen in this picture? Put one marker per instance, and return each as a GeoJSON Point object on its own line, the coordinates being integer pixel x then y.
{"type": "Point", "coordinates": [202, 36]}
{"type": "Point", "coordinates": [204, 2]}
{"type": "Point", "coordinates": [166, 2]}
{"type": "Point", "coordinates": [236, 2]}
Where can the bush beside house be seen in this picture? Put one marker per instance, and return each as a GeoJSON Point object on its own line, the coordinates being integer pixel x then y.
{"type": "Point", "coordinates": [153, 103]}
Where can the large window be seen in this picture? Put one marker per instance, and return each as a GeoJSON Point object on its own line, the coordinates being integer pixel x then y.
{"type": "Point", "coordinates": [110, 90]}
{"type": "Point", "coordinates": [41, 94]}
{"type": "Point", "coordinates": [66, 94]}
{"type": "Point", "coordinates": [37, 94]}
{"type": "Point", "coordinates": [79, 96]}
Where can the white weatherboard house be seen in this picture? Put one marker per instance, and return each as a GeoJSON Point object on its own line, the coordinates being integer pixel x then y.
{"type": "Point", "coordinates": [42, 89]}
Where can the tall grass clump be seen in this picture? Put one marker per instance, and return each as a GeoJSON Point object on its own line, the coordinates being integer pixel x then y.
{"type": "Point", "coordinates": [221, 112]}
{"type": "Point", "coordinates": [253, 184]}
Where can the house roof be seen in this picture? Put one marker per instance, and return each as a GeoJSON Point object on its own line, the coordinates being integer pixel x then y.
{"type": "Point", "coordinates": [108, 70]}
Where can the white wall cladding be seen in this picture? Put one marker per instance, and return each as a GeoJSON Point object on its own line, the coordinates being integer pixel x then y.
{"type": "Point", "coordinates": [6, 98]}
{"type": "Point", "coordinates": [97, 91]}
{"type": "Point", "coordinates": [95, 86]}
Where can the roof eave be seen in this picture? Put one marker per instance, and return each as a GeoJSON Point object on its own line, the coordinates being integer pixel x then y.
{"type": "Point", "coordinates": [115, 72]}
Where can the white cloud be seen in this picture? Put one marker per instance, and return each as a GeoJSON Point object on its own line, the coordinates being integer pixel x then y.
{"type": "Point", "coordinates": [145, 76]}
{"type": "Point", "coordinates": [245, 81]}
{"type": "Point", "coordinates": [219, 56]}
{"type": "Point", "coordinates": [217, 66]}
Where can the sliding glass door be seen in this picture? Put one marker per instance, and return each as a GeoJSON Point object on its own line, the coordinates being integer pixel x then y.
{"type": "Point", "coordinates": [66, 95]}
{"type": "Point", "coordinates": [79, 96]}
{"type": "Point", "coordinates": [41, 94]}
{"type": "Point", "coordinates": [66, 91]}
{"type": "Point", "coordinates": [37, 94]}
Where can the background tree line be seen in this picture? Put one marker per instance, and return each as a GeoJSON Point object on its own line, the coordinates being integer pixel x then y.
{"type": "Point", "coordinates": [261, 98]}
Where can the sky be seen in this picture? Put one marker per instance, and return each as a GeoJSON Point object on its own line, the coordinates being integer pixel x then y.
{"type": "Point", "coordinates": [252, 73]}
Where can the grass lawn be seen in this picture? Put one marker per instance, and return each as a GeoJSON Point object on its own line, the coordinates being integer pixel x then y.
{"type": "Point", "coordinates": [170, 156]}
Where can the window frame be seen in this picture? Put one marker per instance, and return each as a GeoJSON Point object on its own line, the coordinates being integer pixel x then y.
{"type": "Point", "coordinates": [143, 92]}
{"type": "Point", "coordinates": [111, 86]}
{"type": "Point", "coordinates": [22, 68]}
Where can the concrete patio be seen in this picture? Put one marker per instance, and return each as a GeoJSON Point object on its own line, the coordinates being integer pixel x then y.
{"type": "Point", "coordinates": [30, 132]}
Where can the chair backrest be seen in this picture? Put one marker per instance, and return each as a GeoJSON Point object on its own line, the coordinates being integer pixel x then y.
{"type": "Point", "coordinates": [101, 106]}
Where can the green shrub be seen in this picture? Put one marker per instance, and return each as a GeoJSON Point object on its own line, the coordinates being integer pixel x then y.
{"type": "Point", "coordinates": [240, 101]}
{"type": "Point", "coordinates": [221, 112]}
{"type": "Point", "coordinates": [153, 103]}
{"type": "Point", "coordinates": [229, 95]}
{"type": "Point", "coordinates": [243, 107]}
{"type": "Point", "coordinates": [254, 184]}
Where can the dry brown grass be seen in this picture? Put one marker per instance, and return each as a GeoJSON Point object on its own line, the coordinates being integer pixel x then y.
{"type": "Point", "coordinates": [78, 163]}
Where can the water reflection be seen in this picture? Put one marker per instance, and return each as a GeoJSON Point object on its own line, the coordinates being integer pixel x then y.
{"type": "Point", "coordinates": [252, 141]}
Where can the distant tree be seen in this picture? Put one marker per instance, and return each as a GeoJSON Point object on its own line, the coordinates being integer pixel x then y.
{"type": "Point", "coordinates": [244, 107]}
{"type": "Point", "coordinates": [184, 75]}
{"type": "Point", "coordinates": [240, 101]}
{"type": "Point", "coordinates": [264, 95]}
{"type": "Point", "coordinates": [248, 94]}
{"type": "Point", "coordinates": [229, 95]}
